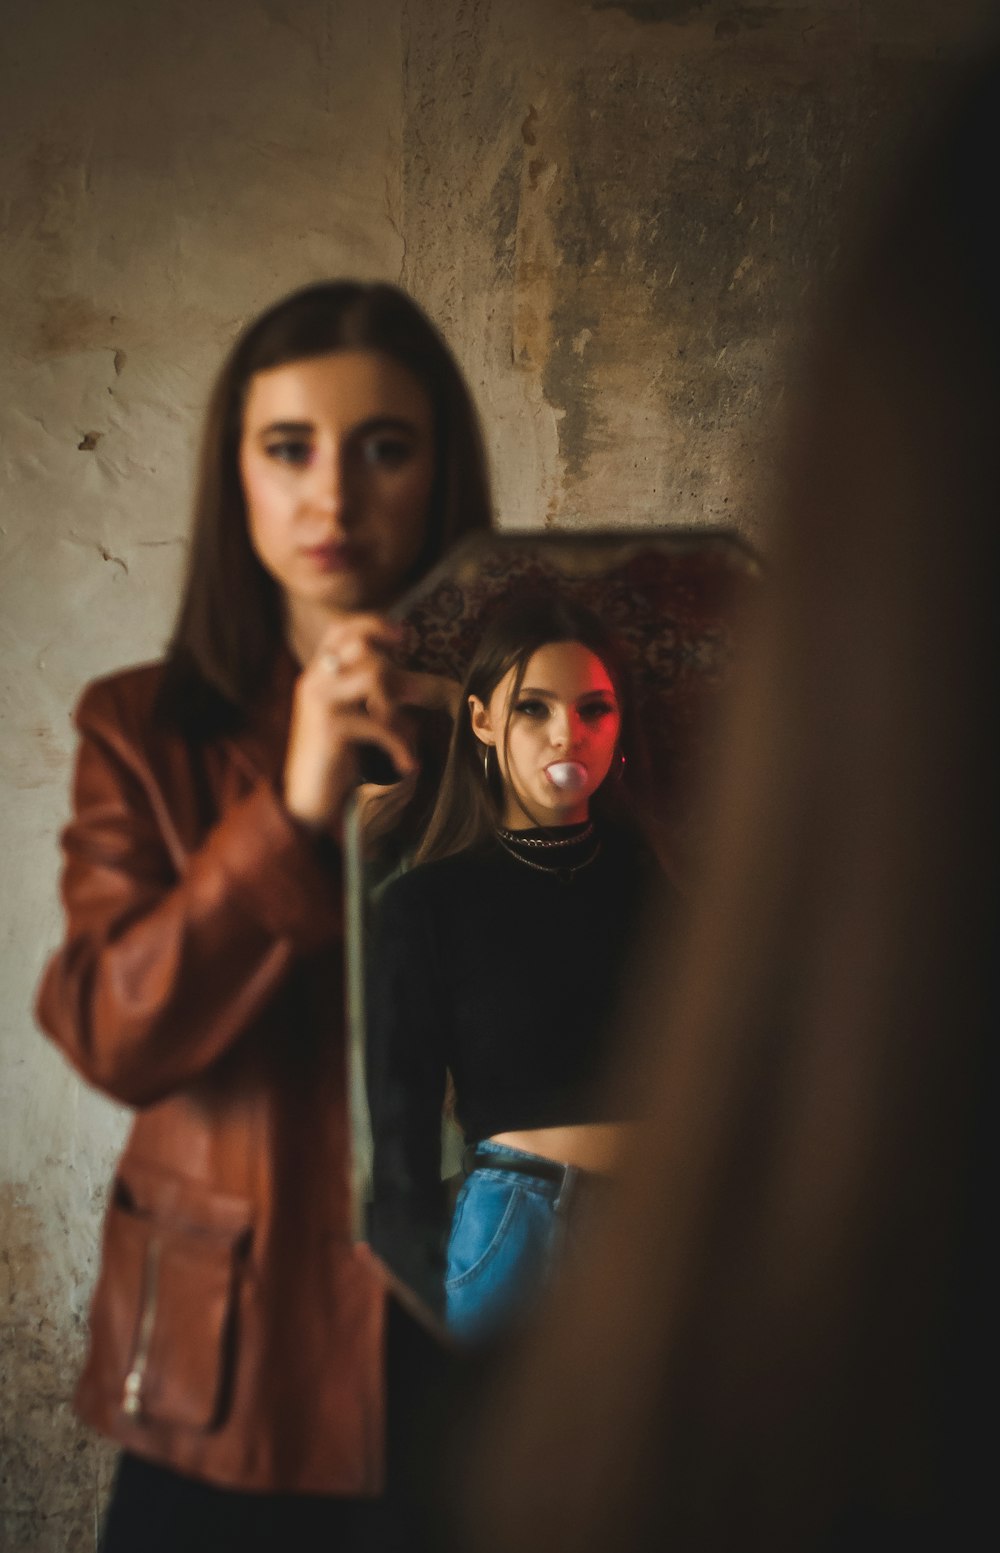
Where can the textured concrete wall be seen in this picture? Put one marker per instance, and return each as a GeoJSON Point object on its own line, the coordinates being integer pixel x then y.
{"type": "Point", "coordinates": [623, 210]}
{"type": "Point", "coordinates": [618, 212]}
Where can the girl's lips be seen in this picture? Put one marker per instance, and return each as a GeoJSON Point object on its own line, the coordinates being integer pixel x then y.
{"type": "Point", "coordinates": [569, 776]}
{"type": "Point", "coordinates": [332, 558]}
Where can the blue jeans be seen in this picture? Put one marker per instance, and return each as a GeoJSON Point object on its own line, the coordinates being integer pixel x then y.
{"type": "Point", "coordinates": [504, 1234]}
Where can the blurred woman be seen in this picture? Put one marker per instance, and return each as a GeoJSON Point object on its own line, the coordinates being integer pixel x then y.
{"type": "Point", "coordinates": [237, 1339]}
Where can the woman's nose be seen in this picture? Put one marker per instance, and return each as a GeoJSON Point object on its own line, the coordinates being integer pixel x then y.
{"type": "Point", "coordinates": [329, 484]}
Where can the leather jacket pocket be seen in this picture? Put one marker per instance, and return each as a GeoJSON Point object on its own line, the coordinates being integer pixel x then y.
{"type": "Point", "coordinates": [165, 1307]}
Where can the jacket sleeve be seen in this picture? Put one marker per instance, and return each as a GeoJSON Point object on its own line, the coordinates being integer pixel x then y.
{"type": "Point", "coordinates": [406, 1022]}
{"type": "Point", "coordinates": [161, 970]}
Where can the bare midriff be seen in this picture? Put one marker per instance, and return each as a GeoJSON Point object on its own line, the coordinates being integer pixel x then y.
{"type": "Point", "coordinates": [597, 1146]}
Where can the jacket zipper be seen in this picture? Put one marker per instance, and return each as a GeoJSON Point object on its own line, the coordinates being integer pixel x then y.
{"type": "Point", "coordinates": [132, 1391]}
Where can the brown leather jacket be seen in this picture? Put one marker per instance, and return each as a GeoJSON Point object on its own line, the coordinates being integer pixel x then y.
{"type": "Point", "coordinates": [236, 1333]}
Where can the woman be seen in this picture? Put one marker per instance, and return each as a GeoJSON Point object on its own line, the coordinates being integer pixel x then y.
{"type": "Point", "coordinates": [237, 1336]}
{"type": "Point", "coordinates": [500, 960]}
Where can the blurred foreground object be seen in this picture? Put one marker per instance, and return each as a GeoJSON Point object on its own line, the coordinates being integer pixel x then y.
{"type": "Point", "coordinates": [782, 1338]}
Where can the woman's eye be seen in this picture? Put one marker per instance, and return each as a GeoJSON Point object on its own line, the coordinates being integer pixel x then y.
{"type": "Point", "coordinates": [532, 708]}
{"type": "Point", "coordinates": [386, 452]}
{"type": "Point", "coordinates": [295, 451]}
{"type": "Point", "coordinates": [595, 711]}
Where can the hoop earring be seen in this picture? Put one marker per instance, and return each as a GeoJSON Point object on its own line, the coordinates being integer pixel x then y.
{"type": "Point", "coordinates": [486, 761]}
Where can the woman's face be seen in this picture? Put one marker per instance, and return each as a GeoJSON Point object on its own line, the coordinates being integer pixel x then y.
{"type": "Point", "coordinates": [336, 460]}
{"type": "Point", "coordinates": [561, 736]}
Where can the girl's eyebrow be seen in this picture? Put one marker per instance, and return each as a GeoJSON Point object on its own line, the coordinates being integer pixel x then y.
{"type": "Point", "coordinates": [374, 423]}
{"type": "Point", "coordinates": [385, 423]}
{"type": "Point", "coordinates": [551, 695]}
{"type": "Point", "coordinates": [285, 429]}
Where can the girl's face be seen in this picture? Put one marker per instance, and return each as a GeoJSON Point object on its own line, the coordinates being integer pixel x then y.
{"type": "Point", "coordinates": [336, 461]}
{"type": "Point", "coordinates": [564, 724]}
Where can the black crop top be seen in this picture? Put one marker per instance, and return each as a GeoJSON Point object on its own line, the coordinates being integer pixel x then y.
{"type": "Point", "coordinates": [506, 975]}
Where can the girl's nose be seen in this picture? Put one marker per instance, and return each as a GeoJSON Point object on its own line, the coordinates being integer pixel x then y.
{"type": "Point", "coordinates": [329, 486]}
{"type": "Point", "coordinates": [566, 729]}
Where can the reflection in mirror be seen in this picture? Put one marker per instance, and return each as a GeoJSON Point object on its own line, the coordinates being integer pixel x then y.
{"type": "Point", "coordinates": [486, 963]}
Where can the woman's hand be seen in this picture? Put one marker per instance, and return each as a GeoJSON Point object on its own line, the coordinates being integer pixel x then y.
{"type": "Point", "coordinates": [347, 695]}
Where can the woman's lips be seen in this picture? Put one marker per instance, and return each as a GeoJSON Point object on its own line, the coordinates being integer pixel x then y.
{"type": "Point", "coordinates": [569, 776]}
{"type": "Point", "coordinates": [334, 557]}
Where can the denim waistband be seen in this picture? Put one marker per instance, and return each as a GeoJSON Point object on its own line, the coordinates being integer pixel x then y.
{"type": "Point", "coordinates": [545, 1175]}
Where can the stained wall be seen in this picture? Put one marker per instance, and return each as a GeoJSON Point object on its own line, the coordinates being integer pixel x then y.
{"type": "Point", "coordinates": [619, 213]}
{"type": "Point", "coordinates": [625, 211]}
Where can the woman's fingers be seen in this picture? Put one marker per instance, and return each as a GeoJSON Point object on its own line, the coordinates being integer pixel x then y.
{"type": "Point", "coordinates": [368, 684]}
{"type": "Point", "coordinates": [346, 696]}
{"type": "Point", "coordinates": [359, 646]}
{"type": "Point", "coordinates": [347, 640]}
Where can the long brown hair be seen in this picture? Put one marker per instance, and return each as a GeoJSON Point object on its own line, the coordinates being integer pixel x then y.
{"type": "Point", "coordinates": [229, 625]}
{"type": "Point", "coordinates": [470, 802]}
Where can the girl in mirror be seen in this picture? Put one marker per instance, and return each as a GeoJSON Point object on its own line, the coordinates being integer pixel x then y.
{"type": "Point", "coordinates": [499, 960]}
{"type": "Point", "coordinates": [237, 1336]}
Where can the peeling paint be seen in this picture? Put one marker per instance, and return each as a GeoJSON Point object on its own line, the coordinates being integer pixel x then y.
{"type": "Point", "coordinates": [115, 560]}
{"type": "Point", "coordinates": [102, 550]}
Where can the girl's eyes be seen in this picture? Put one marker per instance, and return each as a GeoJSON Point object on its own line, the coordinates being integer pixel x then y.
{"type": "Point", "coordinates": [593, 712]}
{"type": "Point", "coordinates": [295, 451]}
{"type": "Point", "coordinates": [384, 452]}
{"type": "Point", "coordinates": [378, 452]}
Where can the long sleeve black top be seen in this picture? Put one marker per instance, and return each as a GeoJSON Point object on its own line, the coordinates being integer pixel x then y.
{"type": "Point", "coordinates": [506, 975]}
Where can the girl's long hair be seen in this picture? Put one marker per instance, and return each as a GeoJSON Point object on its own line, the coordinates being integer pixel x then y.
{"type": "Point", "coordinates": [230, 625]}
{"type": "Point", "coordinates": [470, 802]}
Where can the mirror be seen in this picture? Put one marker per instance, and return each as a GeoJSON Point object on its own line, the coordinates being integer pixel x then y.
{"type": "Point", "coordinates": [669, 601]}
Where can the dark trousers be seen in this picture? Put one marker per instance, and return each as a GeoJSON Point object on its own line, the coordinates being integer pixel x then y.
{"type": "Point", "coordinates": [155, 1510]}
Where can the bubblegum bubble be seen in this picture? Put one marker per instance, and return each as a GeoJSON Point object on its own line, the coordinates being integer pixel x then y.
{"type": "Point", "coordinates": [568, 775]}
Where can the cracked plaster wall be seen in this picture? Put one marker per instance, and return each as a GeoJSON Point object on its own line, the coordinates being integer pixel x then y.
{"type": "Point", "coordinates": [618, 213]}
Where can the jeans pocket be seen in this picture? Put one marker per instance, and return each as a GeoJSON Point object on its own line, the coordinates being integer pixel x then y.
{"type": "Point", "coordinates": [483, 1218]}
